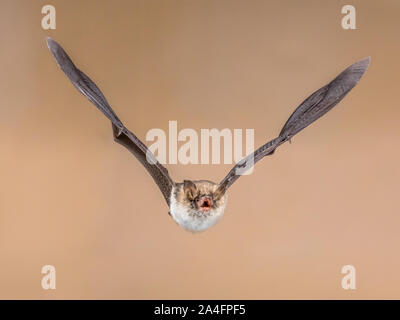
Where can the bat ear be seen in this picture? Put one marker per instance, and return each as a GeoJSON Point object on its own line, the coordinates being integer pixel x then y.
{"type": "Point", "coordinates": [218, 194]}
{"type": "Point", "coordinates": [190, 189]}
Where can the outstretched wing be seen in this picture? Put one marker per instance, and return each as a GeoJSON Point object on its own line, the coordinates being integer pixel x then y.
{"type": "Point", "coordinates": [314, 107]}
{"type": "Point", "coordinates": [121, 134]}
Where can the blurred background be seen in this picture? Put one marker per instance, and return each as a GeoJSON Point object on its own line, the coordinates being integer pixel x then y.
{"type": "Point", "coordinates": [72, 198]}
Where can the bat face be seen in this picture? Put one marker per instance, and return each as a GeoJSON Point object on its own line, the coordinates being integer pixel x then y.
{"type": "Point", "coordinates": [197, 205]}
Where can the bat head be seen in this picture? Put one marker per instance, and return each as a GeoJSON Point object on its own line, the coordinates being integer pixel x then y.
{"type": "Point", "coordinates": [197, 205]}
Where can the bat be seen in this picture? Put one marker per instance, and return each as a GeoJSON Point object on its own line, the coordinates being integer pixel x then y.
{"type": "Point", "coordinates": [196, 205]}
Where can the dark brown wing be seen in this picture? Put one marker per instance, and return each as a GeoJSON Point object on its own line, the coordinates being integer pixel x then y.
{"type": "Point", "coordinates": [121, 134]}
{"type": "Point", "coordinates": [314, 107]}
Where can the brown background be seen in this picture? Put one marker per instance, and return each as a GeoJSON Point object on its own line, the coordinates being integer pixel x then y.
{"type": "Point", "coordinates": [72, 198]}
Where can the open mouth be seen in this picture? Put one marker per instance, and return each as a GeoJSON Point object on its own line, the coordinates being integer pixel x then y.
{"type": "Point", "coordinates": [205, 204]}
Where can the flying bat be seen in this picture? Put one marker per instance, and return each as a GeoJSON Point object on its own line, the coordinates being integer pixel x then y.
{"type": "Point", "coordinates": [196, 205]}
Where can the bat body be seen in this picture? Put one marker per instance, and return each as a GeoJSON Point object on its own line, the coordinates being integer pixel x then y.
{"type": "Point", "coordinates": [198, 205]}
{"type": "Point", "coordinates": [195, 205]}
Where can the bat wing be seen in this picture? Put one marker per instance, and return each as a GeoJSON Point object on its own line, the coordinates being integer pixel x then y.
{"type": "Point", "coordinates": [121, 134]}
{"type": "Point", "coordinates": [314, 107]}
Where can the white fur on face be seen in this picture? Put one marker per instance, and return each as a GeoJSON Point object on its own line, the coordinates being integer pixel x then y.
{"type": "Point", "coordinates": [191, 219]}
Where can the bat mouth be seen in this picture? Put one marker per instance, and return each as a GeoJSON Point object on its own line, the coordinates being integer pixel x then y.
{"type": "Point", "coordinates": [205, 204]}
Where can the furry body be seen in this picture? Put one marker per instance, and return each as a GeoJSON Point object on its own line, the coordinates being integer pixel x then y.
{"type": "Point", "coordinates": [185, 212]}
